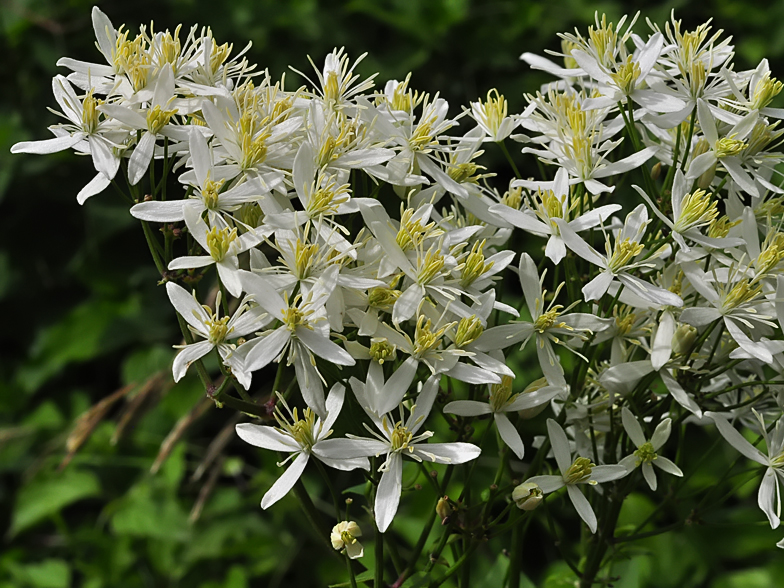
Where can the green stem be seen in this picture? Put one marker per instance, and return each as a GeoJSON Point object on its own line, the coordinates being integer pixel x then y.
{"type": "Point", "coordinates": [509, 159]}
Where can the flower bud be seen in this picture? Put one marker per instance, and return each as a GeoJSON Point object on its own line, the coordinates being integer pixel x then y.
{"type": "Point", "coordinates": [527, 496]}
{"type": "Point", "coordinates": [656, 171]}
{"type": "Point", "coordinates": [444, 509]}
{"type": "Point", "coordinates": [683, 339]}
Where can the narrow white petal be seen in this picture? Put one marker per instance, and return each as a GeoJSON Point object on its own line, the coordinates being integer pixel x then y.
{"type": "Point", "coordinates": [734, 438]}
{"type": "Point", "coordinates": [187, 356]}
{"type": "Point", "coordinates": [467, 408]}
{"type": "Point", "coordinates": [286, 482]}
{"type": "Point", "coordinates": [560, 444]}
{"type": "Point", "coordinates": [266, 437]}
{"type": "Point", "coordinates": [509, 434]}
{"type": "Point", "coordinates": [668, 466]}
{"type": "Point", "coordinates": [766, 498]}
{"type": "Point", "coordinates": [451, 453]}
{"type": "Point", "coordinates": [265, 349]}
{"type": "Point", "coordinates": [582, 506]}
{"type": "Point", "coordinates": [633, 428]}
{"type": "Point", "coordinates": [547, 483]}
{"type": "Point", "coordinates": [140, 158]}
{"type": "Point", "coordinates": [388, 492]}
{"type": "Point", "coordinates": [323, 347]}
{"type": "Point", "coordinates": [47, 145]}
{"type": "Point", "coordinates": [650, 476]}
{"type": "Point", "coordinates": [391, 394]}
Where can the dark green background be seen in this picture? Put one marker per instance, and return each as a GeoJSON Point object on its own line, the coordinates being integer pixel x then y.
{"type": "Point", "coordinates": [82, 315]}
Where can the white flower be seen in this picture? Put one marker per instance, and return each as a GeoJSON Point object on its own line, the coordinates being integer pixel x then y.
{"type": "Point", "coordinates": [303, 331]}
{"type": "Point", "coordinates": [619, 260]}
{"type": "Point", "coordinates": [554, 204]}
{"type": "Point", "coordinates": [344, 535]}
{"type": "Point", "coordinates": [302, 437]}
{"type": "Point", "coordinates": [769, 497]}
{"type": "Point", "coordinates": [579, 471]}
{"type": "Point", "coordinates": [223, 245]}
{"type": "Point", "coordinates": [492, 117]}
{"type": "Point", "coordinates": [503, 400]}
{"type": "Point", "coordinates": [400, 438]}
{"type": "Point", "coordinates": [216, 331]}
{"type": "Point", "coordinates": [647, 448]}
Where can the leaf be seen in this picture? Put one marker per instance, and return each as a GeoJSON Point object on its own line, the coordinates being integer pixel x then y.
{"type": "Point", "coordinates": [365, 576]}
{"type": "Point", "coordinates": [50, 573]}
{"type": "Point", "coordinates": [43, 498]}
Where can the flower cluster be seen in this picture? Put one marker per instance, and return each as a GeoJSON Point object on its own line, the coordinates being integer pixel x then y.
{"type": "Point", "coordinates": [357, 239]}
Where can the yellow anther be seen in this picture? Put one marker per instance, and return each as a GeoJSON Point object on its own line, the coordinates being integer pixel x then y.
{"type": "Point", "coordinates": [411, 232]}
{"type": "Point", "coordinates": [720, 227]}
{"type": "Point", "coordinates": [771, 255]}
{"type": "Point", "coordinates": [474, 266]}
{"type": "Point", "coordinates": [305, 255]}
{"type": "Point", "coordinates": [501, 394]}
{"type": "Point", "coordinates": [401, 438]}
{"type": "Point", "coordinates": [604, 40]}
{"type": "Point", "coordinates": [430, 267]}
{"type": "Point", "coordinates": [645, 454]}
{"type": "Point", "coordinates": [626, 75]}
{"type": "Point", "coordinates": [132, 59]}
{"type": "Point", "coordinates": [219, 242]}
{"type": "Point", "coordinates": [728, 146]}
{"type": "Point", "coordinates": [302, 429]}
{"type": "Point", "coordinates": [513, 197]}
{"type": "Point", "coordinates": [219, 329]}
{"type": "Point", "coordinates": [765, 91]}
{"type": "Point", "coordinates": [468, 330]}
{"type": "Point", "coordinates": [157, 118]}
{"type": "Point", "coordinates": [492, 112]}
{"type": "Point", "coordinates": [382, 350]}
{"type": "Point", "coordinates": [697, 209]}
{"type": "Point", "coordinates": [624, 320]}
{"type": "Point", "coordinates": [383, 298]}
{"type": "Point", "coordinates": [90, 113]}
{"type": "Point", "coordinates": [325, 200]}
{"type": "Point", "coordinates": [623, 253]}
{"type": "Point", "coordinates": [566, 48]}
{"type": "Point", "coordinates": [424, 338]}
{"type": "Point", "coordinates": [210, 192]}
{"type": "Point", "coordinates": [741, 293]}
{"type": "Point", "coordinates": [219, 55]}
{"type": "Point", "coordinates": [579, 471]}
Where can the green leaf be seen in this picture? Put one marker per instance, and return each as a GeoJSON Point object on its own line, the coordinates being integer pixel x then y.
{"type": "Point", "coordinates": [365, 576]}
{"type": "Point", "coordinates": [50, 573]}
{"type": "Point", "coordinates": [43, 498]}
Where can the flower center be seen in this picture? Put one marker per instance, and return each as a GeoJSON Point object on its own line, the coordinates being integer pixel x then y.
{"type": "Point", "coordinates": [219, 242]}
{"type": "Point", "coordinates": [728, 146]}
{"type": "Point", "coordinates": [382, 350]}
{"type": "Point", "coordinates": [697, 210]}
{"type": "Point", "coordinates": [579, 471]}
{"type": "Point", "coordinates": [401, 438]}
{"type": "Point", "coordinates": [645, 454]}
{"type": "Point", "coordinates": [468, 330]}
{"type": "Point", "coordinates": [474, 266]}
{"type": "Point", "coordinates": [210, 192]}
{"type": "Point", "coordinates": [501, 394]}
{"type": "Point", "coordinates": [623, 253]}
{"type": "Point", "coordinates": [219, 329]}
{"type": "Point", "coordinates": [157, 118]}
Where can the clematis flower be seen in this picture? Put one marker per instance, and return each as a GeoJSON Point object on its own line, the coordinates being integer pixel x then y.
{"type": "Point", "coordinates": [769, 497]}
{"type": "Point", "coordinates": [399, 438]}
{"type": "Point", "coordinates": [619, 260]}
{"type": "Point", "coordinates": [214, 330]}
{"type": "Point", "coordinates": [645, 457]}
{"type": "Point", "coordinates": [579, 471]}
{"type": "Point", "coordinates": [344, 536]}
{"type": "Point", "coordinates": [502, 400]}
{"type": "Point", "coordinates": [302, 437]}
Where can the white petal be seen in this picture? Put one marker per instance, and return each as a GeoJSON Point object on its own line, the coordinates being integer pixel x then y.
{"type": "Point", "coordinates": [467, 408]}
{"type": "Point", "coordinates": [266, 348]}
{"type": "Point", "coordinates": [408, 302]}
{"type": "Point", "coordinates": [140, 158]}
{"type": "Point", "coordinates": [323, 347]}
{"type": "Point", "coordinates": [388, 492]}
{"type": "Point", "coordinates": [679, 394]}
{"type": "Point", "coordinates": [47, 145]}
{"type": "Point", "coordinates": [608, 473]}
{"type": "Point", "coordinates": [734, 438]}
{"type": "Point", "coordinates": [169, 211]}
{"type": "Point", "coordinates": [661, 350]}
{"type": "Point", "coordinates": [95, 186]}
{"type": "Point", "coordinates": [547, 483]}
{"type": "Point", "coordinates": [397, 386]}
{"type": "Point", "coordinates": [187, 356]}
{"type": "Point", "coordinates": [597, 287]}
{"type": "Point", "coordinates": [661, 434]}
{"type": "Point", "coordinates": [266, 438]}
{"type": "Point", "coordinates": [766, 498]}
{"type": "Point", "coordinates": [309, 381]}
{"type": "Point", "coordinates": [286, 482]}
{"type": "Point", "coordinates": [560, 444]}
{"type": "Point", "coordinates": [582, 506]}
{"type": "Point", "coordinates": [633, 428]}
{"type": "Point", "coordinates": [451, 453]}
{"type": "Point", "coordinates": [184, 303]}
{"type": "Point", "coordinates": [509, 434]}
{"type": "Point", "coordinates": [650, 476]}
{"type": "Point", "coordinates": [424, 403]}
{"type": "Point", "coordinates": [334, 403]}
{"type": "Point", "coordinates": [666, 465]}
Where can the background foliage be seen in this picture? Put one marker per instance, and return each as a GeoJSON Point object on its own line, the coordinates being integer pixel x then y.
{"type": "Point", "coordinates": [83, 320]}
